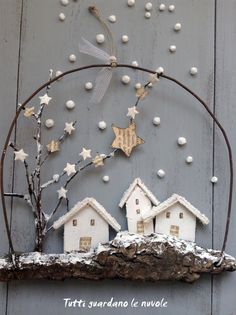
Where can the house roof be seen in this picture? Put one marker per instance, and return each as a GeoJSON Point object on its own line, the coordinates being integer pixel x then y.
{"type": "Point", "coordinates": [138, 182]}
{"type": "Point", "coordinates": [170, 202]}
{"type": "Point", "coordinates": [96, 206]}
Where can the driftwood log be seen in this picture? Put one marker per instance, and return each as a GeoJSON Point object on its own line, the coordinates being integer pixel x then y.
{"type": "Point", "coordinates": [128, 256]}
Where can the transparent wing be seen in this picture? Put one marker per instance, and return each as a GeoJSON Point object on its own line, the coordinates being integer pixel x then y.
{"type": "Point", "coordinates": [101, 85]}
{"type": "Point", "coordinates": [85, 47]}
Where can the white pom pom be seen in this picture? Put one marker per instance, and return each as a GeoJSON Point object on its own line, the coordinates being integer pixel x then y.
{"type": "Point", "coordinates": [177, 27]}
{"type": "Point", "coordinates": [130, 3]}
{"type": "Point", "coordinates": [160, 70]}
{"type": "Point", "coordinates": [134, 63]}
{"type": "Point", "coordinates": [62, 17]}
{"type": "Point", "coordinates": [171, 8]}
{"type": "Point", "coordinates": [189, 159]}
{"type": "Point", "coordinates": [138, 86]}
{"type": "Point", "coordinates": [57, 74]}
{"type": "Point", "coordinates": [147, 15]}
{"type": "Point", "coordinates": [88, 86]}
{"type": "Point", "coordinates": [214, 180]}
{"type": "Point", "coordinates": [102, 125]}
{"type": "Point", "coordinates": [162, 7]}
{"type": "Point", "coordinates": [148, 6]}
{"type": "Point", "coordinates": [125, 38]}
{"type": "Point", "coordinates": [125, 79]}
{"type": "Point", "coordinates": [106, 178]}
{"type": "Point", "coordinates": [65, 2]}
{"type": "Point", "coordinates": [49, 123]}
{"type": "Point", "coordinates": [156, 121]}
{"type": "Point", "coordinates": [172, 48]}
{"type": "Point", "coordinates": [112, 18]}
{"type": "Point", "coordinates": [100, 38]}
{"type": "Point", "coordinates": [70, 104]}
{"type": "Point", "coordinates": [161, 173]}
{"type": "Point", "coordinates": [193, 71]}
{"type": "Point", "coordinates": [181, 141]}
{"type": "Point", "coordinates": [72, 58]}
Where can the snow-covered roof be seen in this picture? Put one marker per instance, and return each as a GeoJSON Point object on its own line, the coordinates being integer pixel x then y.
{"type": "Point", "coordinates": [96, 206]}
{"type": "Point", "coordinates": [149, 215]}
{"type": "Point", "coordinates": [138, 182]}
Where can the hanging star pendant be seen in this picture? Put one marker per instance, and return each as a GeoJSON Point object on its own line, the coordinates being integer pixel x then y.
{"type": "Point", "coordinates": [126, 139]}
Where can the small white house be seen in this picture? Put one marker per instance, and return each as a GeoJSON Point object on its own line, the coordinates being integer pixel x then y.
{"type": "Point", "coordinates": [176, 217]}
{"type": "Point", "coordinates": [86, 225]}
{"type": "Point", "coordinates": [138, 200]}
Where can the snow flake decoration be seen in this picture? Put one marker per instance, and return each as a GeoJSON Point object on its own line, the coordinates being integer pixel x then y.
{"type": "Point", "coordinates": [53, 146]}
{"type": "Point", "coordinates": [45, 99]}
{"type": "Point", "coordinates": [20, 155]}
{"type": "Point", "coordinates": [126, 139]}
{"type": "Point", "coordinates": [132, 112]}
{"type": "Point", "coordinates": [69, 127]}
{"type": "Point", "coordinates": [29, 111]}
{"type": "Point", "coordinates": [70, 169]}
{"type": "Point", "coordinates": [98, 160]}
{"type": "Point", "coordinates": [62, 193]}
{"type": "Point", "coordinates": [85, 153]}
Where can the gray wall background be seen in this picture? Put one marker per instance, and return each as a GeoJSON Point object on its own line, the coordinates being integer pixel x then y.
{"type": "Point", "coordinates": [33, 40]}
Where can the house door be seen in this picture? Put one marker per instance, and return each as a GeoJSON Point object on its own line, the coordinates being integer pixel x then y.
{"type": "Point", "coordinates": [140, 227]}
{"type": "Point", "coordinates": [174, 230]}
{"type": "Point", "coordinates": [85, 243]}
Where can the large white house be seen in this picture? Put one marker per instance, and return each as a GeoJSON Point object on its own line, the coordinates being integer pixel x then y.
{"type": "Point", "coordinates": [86, 225]}
{"type": "Point", "coordinates": [138, 200]}
{"type": "Point", "coordinates": [176, 217]}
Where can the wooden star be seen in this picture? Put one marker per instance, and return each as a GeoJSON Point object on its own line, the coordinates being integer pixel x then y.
{"type": "Point", "coordinates": [85, 153]}
{"type": "Point", "coordinates": [20, 155]}
{"type": "Point", "coordinates": [53, 146]}
{"type": "Point", "coordinates": [126, 138]}
{"type": "Point", "coordinates": [29, 112]}
{"type": "Point", "coordinates": [45, 99]}
{"type": "Point", "coordinates": [62, 193]}
{"type": "Point", "coordinates": [70, 169]}
{"type": "Point", "coordinates": [141, 93]}
{"type": "Point", "coordinates": [132, 112]}
{"type": "Point", "coordinates": [69, 128]}
{"type": "Point", "coordinates": [98, 161]}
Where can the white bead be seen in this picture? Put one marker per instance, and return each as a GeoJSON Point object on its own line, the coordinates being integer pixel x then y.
{"type": "Point", "coordinates": [150, 84]}
{"type": "Point", "coordinates": [57, 74]}
{"type": "Point", "coordinates": [125, 79]}
{"type": "Point", "coordinates": [102, 125]}
{"type": "Point", "coordinates": [130, 3]}
{"type": "Point", "coordinates": [138, 86]}
{"type": "Point", "coordinates": [147, 15]}
{"type": "Point", "coordinates": [172, 48]}
{"type": "Point", "coordinates": [49, 123]}
{"type": "Point", "coordinates": [106, 178]}
{"type": "Point", "coordinates": [177, 27]}
{"type": "Point", "coordinates": [100, 38]}
{"type": "Point", "coordinates": [214, 180]}
{"type": "Point", "coordinates": [160, 70]}
{"type": "Point", "coordinates": [125, 38]}
{"type": "Point", "coordinates": [56, 177]}
{"type": "Point", "coordinates": [181, 141]}
{"type": "Point", "coordinates": [156, 121]}
{"type": "Point", "coordinates": [171, 8]}
{"type": "Point", "coordinates": [134, 63]}
{"type": "Point", "coordinates": [189, 159]}
{"type": "Point", "coordinates": [112, 18]}
{"type": "Point", "coordinates": [72, 58]}
{"type": "Point", "coordinates": [65, 2]}
{"type": "Point", "coordinates": [62, 16]}
{"type": "Point", "coordinates": [148, 6]}
{"type": "Point", "coordinates": [162, 7]}
{"type": "Point", "coordinates": [193, 71]}
{"type": "Point", "coordinates": [161, 173]}
{"type": "Point", "coordinates": [70, 104]}
{"type": "Point", "coordinates": [88, 86]}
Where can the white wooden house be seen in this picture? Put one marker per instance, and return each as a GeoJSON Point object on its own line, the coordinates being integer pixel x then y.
{"type": "Point", "coordinates": [137, 200]}
{"type": "Point", "coordinates": [86, 225]}
{"type": "Point", "coordinates": [176, 217]}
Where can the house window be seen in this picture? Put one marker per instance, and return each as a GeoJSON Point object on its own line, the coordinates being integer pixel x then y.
{"type": "Point", "coordinates": [74, 222]}
{"type": "Point", "coordinates": [140, 227]}
{"type": "Point", "coordinates": [137, 201]}
{"type": "Point", "coordinates": [174, 230]}
{"type": "Point", "coordinates": [181, 215]}
{"type": "Point", "coordinates": [92, 222]}
{"type": "Point", "coordinates": [138, 211]}
{"type": "Point", "coordinates": [85, 243]}
{"type": "Point", "coordinates": [167, 215]}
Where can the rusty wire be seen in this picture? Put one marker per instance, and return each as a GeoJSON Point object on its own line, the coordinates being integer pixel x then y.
{"type": "Point", "coordinates": [22, 107]}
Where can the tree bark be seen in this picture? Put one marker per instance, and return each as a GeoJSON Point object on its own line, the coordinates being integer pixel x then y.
{"type": "Point", "coordinates": [128, 256]}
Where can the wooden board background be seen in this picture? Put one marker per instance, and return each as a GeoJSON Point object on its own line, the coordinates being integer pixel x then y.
{"type": "Point", "coordinates": [32, 41]}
